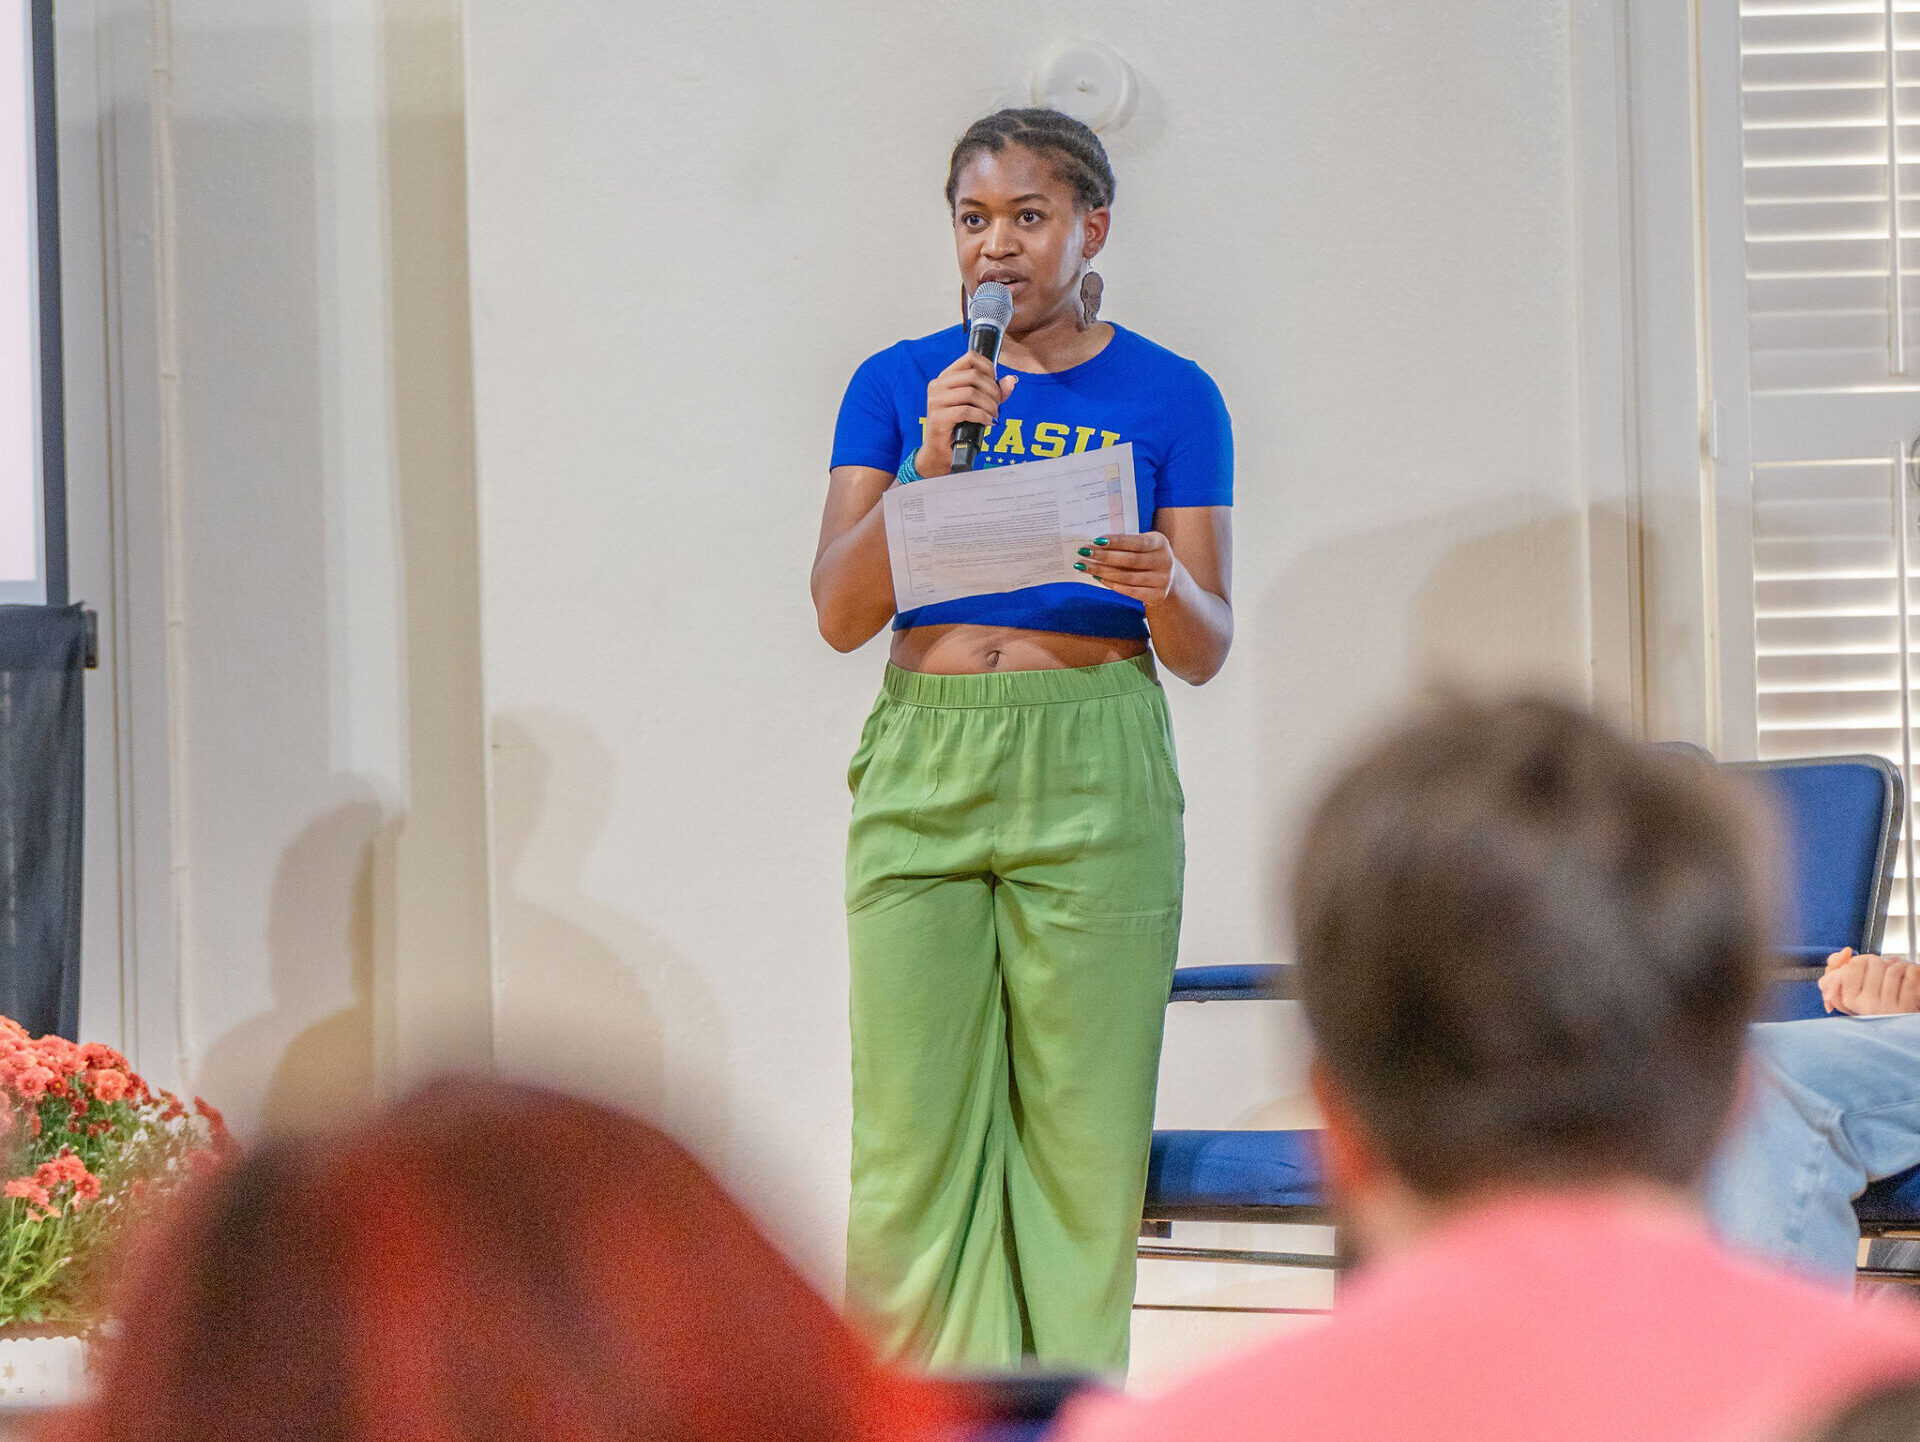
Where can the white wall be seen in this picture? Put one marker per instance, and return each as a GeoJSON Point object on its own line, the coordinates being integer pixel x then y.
{"type": "Point", "coordinates": [688, 224]}
{"type": "Point", "coordinates": [279, 530]}
{"type": "Point", "coordinates": [287, 673]}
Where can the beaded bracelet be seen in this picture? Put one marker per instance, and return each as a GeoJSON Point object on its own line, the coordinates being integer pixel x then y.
{"type": "Point", "coordinates": [907, 473]}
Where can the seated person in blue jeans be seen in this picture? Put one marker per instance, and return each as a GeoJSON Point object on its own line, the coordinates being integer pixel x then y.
{"type": "Point", "coordinates": [1835, 1105]}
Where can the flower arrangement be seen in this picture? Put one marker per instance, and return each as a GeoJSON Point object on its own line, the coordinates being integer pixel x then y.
{"type": "Point", "coordinates": [90, 1147]}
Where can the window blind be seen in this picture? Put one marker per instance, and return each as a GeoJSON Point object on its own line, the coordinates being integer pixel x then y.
{"type": "Point", "coordinates": [1830, 200]}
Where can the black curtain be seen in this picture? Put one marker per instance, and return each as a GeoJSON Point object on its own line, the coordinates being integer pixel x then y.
{"type": "Point", "coordinates": [43, 652]}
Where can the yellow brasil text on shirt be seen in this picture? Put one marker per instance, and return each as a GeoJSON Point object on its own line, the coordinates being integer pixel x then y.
{"type": "Point", "coordinates": [1047, 439]}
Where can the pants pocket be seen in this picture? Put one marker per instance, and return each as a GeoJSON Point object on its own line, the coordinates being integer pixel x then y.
{"type": "Point", "coordinates": [1162, 722]}
{"type": "Point", "coordinates": [875, 738]}
{"type": "Point", "coordinates": [890, 785]}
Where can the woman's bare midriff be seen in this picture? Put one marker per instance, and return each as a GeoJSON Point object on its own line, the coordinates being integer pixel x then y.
{"type": "Point", "coordinates": [973, 650]}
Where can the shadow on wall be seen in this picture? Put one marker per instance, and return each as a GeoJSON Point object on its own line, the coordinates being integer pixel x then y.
{"type": "Point", "coordinates": [443, 987]}
{"type": "Point", "coordinates": [589, 998]}
{"type": "Point", "coordinates": [1486, 597]}
{"type": "Point", "coordinates": [1506, 608]}
{"type": "Point", "coordinates": [320, 951]}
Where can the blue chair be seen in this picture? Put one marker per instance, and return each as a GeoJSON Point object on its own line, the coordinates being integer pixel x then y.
{"type": "Point", "coordinates": [1840, 818]}
{"type": "Point", "coordinates": [1831, 848]}
{"type": "Point", "coordinates": [1233, 1176]}
{"type": "Point", "coordinates": [1842, 824]}
{"type": "Point", "coordinates": [1840, 829]}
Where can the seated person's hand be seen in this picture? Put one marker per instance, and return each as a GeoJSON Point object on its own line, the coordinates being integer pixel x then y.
{"type": "Point", "coordinates": [1868, 985]}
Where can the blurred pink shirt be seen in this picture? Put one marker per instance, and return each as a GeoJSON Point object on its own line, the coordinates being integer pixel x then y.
{"type": "Point", "coordinates": [1544, 1316]}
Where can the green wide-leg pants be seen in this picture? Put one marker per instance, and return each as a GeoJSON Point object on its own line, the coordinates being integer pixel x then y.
{"type": "Point", "coordinates": [1014, 873]}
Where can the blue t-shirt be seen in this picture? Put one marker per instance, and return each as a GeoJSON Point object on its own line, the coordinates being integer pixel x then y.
{"type": "Point", "coordinates": [1132, 391]}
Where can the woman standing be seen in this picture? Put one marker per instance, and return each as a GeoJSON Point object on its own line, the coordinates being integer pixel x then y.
{"type": "Point", "coordinates": [1015, 859]}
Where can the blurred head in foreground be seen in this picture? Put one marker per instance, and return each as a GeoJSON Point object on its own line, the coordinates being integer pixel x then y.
{"type": "Point", "coordinates": [1528, 949]}
{"type": "Point", "coordinates": [482, 1261]}
{"type": "Point", "coordinates": [1891, 1414]}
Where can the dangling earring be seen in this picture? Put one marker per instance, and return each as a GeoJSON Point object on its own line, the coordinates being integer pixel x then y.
{"type": "Point", "coordinates": [1090, 288]}
{"type": "Point", "coordinates": [963, 305]}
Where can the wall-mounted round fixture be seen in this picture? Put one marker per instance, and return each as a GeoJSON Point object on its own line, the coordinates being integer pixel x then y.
{"type": "Point", "coordinates": [1088, 81]}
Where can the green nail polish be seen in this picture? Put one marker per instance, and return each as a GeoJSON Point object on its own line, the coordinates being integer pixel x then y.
{"type": "Point", "coordinates": [1079, 565]}
{"type": "Point", "coordinates": [1100, 540]}
{"type": "Point", "coordinates": [1085, 552]}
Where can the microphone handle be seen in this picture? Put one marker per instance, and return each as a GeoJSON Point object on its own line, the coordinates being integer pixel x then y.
{"type": "Point", "coordinates": [984, 340]}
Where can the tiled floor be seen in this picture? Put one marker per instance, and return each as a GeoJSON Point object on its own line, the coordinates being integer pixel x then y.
{"type": "Point", "coordinates": [1181, 1321]}
{"type": "Point", "coordinates": [1169, 1346]}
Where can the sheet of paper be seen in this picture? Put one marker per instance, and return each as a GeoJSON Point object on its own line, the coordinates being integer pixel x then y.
{"type": "Point", "coordinates": [1006, 527]}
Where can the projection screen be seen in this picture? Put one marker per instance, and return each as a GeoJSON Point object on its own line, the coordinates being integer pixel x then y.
{"type": "Point", "coordinates": [32, 483]}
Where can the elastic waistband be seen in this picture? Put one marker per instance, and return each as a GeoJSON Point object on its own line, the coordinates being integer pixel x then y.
{"type": "Point", "coordinates": [1022, 688]}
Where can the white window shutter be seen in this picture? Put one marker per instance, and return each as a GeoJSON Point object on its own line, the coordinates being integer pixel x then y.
{"type": "Point", "coordinates": [1829, 102]}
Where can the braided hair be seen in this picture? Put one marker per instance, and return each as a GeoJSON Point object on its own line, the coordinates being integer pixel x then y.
{"type": "Point", "coordinates": [1076, 152]}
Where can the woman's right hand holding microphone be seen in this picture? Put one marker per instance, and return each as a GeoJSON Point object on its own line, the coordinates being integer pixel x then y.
{"type": "Point", "coordinates": [967, 390]}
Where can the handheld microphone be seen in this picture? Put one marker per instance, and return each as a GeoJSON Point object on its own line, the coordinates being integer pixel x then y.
{"type": "Point", "coordinates": [988, 315]}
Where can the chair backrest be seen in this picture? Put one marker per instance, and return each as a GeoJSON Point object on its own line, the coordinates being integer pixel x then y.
{"type": "Point", "coordinates": [1840, 818]}
{"type": "Point", "coordinates": [1840, 823]}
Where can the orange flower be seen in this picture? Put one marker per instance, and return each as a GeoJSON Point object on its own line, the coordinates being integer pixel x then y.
{"type": "Point", "coordinates": [60, 1055]}
{"type": "Point", "coordinates": [32, 1082]}
{"type": "Point", "coordinates": [64, 1168]}
{"type": "Point", "coordinates": [39, 1204]}
{"type": "Point", "coordinates": [217, 1134]}
{"type": "Point", "coordinates": [212, 1113]}
{"type": "Point", "coordinates": [108, 1085]}
{"type": "Point", "coordinates": [103, 1058]}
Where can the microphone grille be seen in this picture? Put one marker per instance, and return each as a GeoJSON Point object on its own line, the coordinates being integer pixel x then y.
{"type": "Point", "coordinates": [992, 304]}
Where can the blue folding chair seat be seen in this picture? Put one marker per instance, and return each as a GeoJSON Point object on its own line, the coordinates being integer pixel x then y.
{"type": "Point", "coordinates": [1890, 1205]}
{"type": "Point", "coordinates": [1196, 1174]}
{"type": "Point", "coordinates": [1232, 983]}
{"type": "Point", "coordinates": [1237, 1176]}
